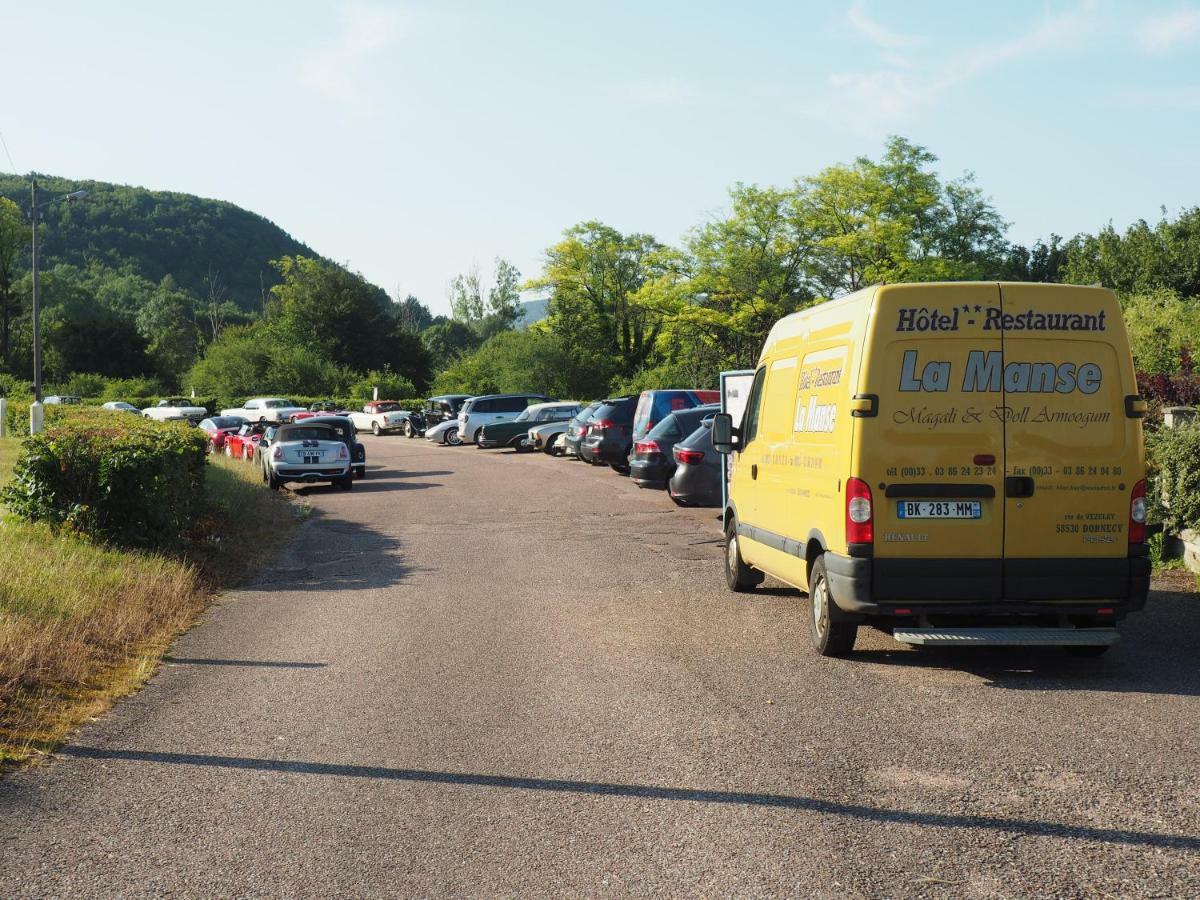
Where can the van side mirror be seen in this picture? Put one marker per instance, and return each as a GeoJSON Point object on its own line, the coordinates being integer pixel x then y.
{"type": "Point", "coordinates": [723, 433]}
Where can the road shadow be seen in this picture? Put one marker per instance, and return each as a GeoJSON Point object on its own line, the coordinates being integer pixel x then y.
{"type": "Point", "coordinates": [332, 554]}
{"type": "Point", "coordinates": [853, 811]}
{"type": "Point", "coordinates": [1157, 654]}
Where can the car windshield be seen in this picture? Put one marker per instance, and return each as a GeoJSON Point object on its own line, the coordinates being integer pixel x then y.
{"type": "Point", "coordinates": [227, 421]}
{"type": "Point", "coordinates": [387, 407]}
{"type": "Point", "coordinates": [526, 414]}
{"type": "Point", "coordinates": [276, 404]}
{"type": "Point", "coordinates": [176, 401]}
{"type": "Point", "coordinates": [309, 433]}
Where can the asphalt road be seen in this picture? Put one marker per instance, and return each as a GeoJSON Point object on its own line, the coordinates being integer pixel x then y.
{"type": "Point", "coordinates": [483, 674]}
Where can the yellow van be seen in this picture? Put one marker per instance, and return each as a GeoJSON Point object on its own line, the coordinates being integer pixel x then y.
{"type": "Point", "coordinates": [957, 463]}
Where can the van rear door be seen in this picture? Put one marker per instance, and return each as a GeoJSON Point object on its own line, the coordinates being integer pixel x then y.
{"type": "Point", "coordinates": [1073, 453]}
{"type": "Point", "coordinates": [932, 447]}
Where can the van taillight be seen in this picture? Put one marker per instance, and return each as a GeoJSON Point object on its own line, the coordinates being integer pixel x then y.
{"type": "Point", "coordinates": [1137, 514]}
{"type": "Point", "coordinates": [647, 447]}
{"type": "Point", "coordinates": [688, 457]}
{"type": "Point", "coordinates": [859, 526]}
{"type": "Point", "coordinates": [601, 424]}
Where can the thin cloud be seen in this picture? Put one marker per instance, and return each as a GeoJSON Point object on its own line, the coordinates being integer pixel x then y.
{"type": "Point", "coordinates": [873, 102]}
{"type": "Point", "coordinates": [340, 71]}
{"type": "Point", "coordinates": [661, 92]}
{"type": "Point", "coordinates": [1161, 34]}
{"type": "Point", "coordinates": [1185, 98]}
{"type": "Point", "coordinates": [876, 32]}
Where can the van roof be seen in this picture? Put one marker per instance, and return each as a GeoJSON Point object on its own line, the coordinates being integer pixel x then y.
{"type": "Point", "coordinates": [797, 323]}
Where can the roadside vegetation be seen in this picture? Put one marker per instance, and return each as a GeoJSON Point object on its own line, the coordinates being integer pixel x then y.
{"type": "Point", "coordinates": [84, 619]}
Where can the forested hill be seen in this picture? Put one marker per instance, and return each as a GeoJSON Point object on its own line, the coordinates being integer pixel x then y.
{"type": "Point", "coordinates": [159, 233]}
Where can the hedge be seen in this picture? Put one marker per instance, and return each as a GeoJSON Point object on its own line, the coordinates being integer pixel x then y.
{"type": "Point", "coordinates": [111, 477]}
{"type": "Point", "coordinates": [1174, 483]}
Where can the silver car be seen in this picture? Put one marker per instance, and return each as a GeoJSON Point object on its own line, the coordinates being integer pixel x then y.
{"type": "Point", "coordinates": [307, 453]}
{"type": "Point", "coordinates": [445, 433]}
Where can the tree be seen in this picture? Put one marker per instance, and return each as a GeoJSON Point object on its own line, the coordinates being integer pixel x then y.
{"type": "Point", "coordinates": [592, 277]}
{"type": "Point", "coordinates": [167, 322]}
{"type": "Point", "coordinates": [14, 237]}
{"type": "Point", "coordinates": [466, 297]}
{"type": "Point", "coordinates": [504, 300]}
{"type": "Point", "coordinates": [235, 365]}
{"type": "Point", "coordinates": [1144, 259]}
{"type": "Point", "coordinates": [413, 315]}
{"type": "Point", "coordinates": [446, 340]}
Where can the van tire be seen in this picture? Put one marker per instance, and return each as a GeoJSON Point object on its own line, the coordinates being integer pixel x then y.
{"type": "Point", "coordinates": [829, 636]}
{"type": "Point", "coordinates": [739, 577]}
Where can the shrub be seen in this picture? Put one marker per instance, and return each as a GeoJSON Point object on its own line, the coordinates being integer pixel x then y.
{"type": "Point", "coordinates": [110, 477]}
{"type": "Point", "coordinates": [84, 385]}
{"type": "Point", "coordinates": [391, 386]}
{"type": "Point", "coordinates": [1174, 483]}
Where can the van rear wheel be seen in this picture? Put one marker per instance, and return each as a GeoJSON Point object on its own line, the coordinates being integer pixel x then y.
{"type": "Point", "coordinates": [738, 576]}
{"type": "Point", "coordinates": [829, 636]}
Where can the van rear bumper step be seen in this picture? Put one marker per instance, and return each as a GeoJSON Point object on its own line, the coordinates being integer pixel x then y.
{"type": "Point", "coordinates": [1008, 637]}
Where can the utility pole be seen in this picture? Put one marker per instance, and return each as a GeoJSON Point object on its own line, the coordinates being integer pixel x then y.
{"type": "Point", "coordinates": [36, 411]}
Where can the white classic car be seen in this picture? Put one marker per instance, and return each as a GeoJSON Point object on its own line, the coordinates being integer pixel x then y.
{"type": "Point", "coordinates": [266, 409]}
{"type": "Point", "coordinates": [380, 416]}
{"type": "Point", "coordinates": [176, 409]}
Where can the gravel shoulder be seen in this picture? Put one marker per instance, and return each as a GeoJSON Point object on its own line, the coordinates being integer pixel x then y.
{"type": "Point", "coordinates": [483, 674]}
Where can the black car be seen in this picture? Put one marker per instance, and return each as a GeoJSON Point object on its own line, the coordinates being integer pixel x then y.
{"type": "Point", "coordinates": [577, 429]}
{"type": "Point", "coordinates": [610, 434]}
{"type": "Point", "coordinates": [437, 410]}
{"type": "Point", "coordinates": [697, 478]}
{"type": "Point", "coordinates": [345, 431]}
{"type": "Point", "coordinates": [651, 463]}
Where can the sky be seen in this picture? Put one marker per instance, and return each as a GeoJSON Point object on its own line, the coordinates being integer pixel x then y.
{"type": "Point", "coordinates": [412, 141]}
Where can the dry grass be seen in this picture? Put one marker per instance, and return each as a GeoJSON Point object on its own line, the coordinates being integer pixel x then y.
{"type": "Point", "coordinates": [81, 625]}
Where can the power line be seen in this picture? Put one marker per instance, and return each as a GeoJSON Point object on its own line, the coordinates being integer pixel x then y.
{"type": "Point", "coordinates": [4, 144]}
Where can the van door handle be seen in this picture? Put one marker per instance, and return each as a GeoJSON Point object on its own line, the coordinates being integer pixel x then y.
{"type": "Point", "coordinates": [754, 471]}
{"type": "Point", "coordinates": [1018, 486]}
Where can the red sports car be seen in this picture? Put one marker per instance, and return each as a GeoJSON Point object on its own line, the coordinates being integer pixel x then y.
{"type": "Point", "coordinates": [241, 444]}
{"type": "Point", "coordinates": [218, 428]}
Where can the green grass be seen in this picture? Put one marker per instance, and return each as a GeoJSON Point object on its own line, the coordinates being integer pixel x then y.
{"type": "Point", "coordinates": [83, 624]}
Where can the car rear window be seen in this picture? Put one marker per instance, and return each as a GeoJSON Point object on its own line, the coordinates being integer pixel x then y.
{"type": "Point", "coordinates": [311, 433]}
{"type": "Point", "coordinates": [619, 411]}
{"type": "Point", "coordinates": [227, 421]}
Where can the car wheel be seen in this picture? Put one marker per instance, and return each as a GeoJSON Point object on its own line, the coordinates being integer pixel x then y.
{"type": "Point", "coordinates": [375, 429]}
{"type": "Point", "coordinates": [273, 482]}
{"type": "Point", "coordinates": [409, 431]}
{"type": "Point", "coordinates": [549, 449]}
{"type": "Point", "coordinates": [738, 576]}
{"type": "Point", "coordinates": [360, 473]}
{"type": "Point", "coordinates": [453, 438]}
{"type": "Point", "coordinates": [829, 636]}
{"type": "Point", "coordinates": [212, 447]}
{"type": "Point", "coordinates": [620, 470]}
{"type": "Point", "coordinates": [228, 450]}
{"type": "Point", "coordinates": [346, 483]}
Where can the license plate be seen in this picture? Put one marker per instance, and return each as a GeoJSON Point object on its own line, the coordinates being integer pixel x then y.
{"type": "Point", "coordinates": [311, 459]}
{"type": "Point", "coordinates": [939, 509]}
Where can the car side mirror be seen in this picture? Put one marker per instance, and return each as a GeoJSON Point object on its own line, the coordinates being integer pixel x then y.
{"type": "Point", "coordinates": [723, 433]}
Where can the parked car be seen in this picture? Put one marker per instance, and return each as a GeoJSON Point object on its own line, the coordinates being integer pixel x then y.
{"type": "Point", "coordinates": [322, 408]}
{"type": "Point", "coordinates": [577, 429]}
{"type": "Point", "coordinates": [516, 433]}
{"type": "Point", "coordinates": [445, 433]}
{"type": "Point", "coordinates": [218, 428]}
{"type": "Point", "coordinates": [240, 444]}
{"type": "Point", "coordinates": [266, 409]}
{"type": "Point", "coordinates": [441, 408]}
{"type": "Point", "coordinates": [122, 406]}
{"type": "Point", "coordinates": [610, 434]}
{"type": "Point", "coordinates": [651, 464]}
{"type": "Point", "coordinates": [342, 426]}
{"type": "Point", "coordinates": [545, 437]}
{"type": "Point", "coordinates": [176, 409]}
{"type": "Point", "coordinates": [479, 411]}
{"type": "Point", "coordinates": [307, 452]}
{"type": "Point", "coordinates": [381, 417]}
{"type": "Point", "coordinates": [67, 399]}
{"type": "Point", "coordinates": [654, 406]}
{"type": "Point", "coordinates": [697, 478]}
